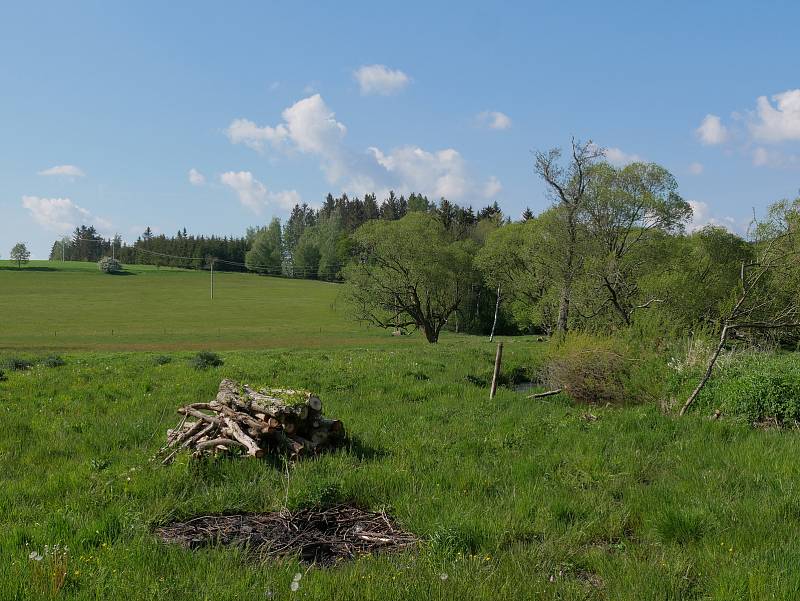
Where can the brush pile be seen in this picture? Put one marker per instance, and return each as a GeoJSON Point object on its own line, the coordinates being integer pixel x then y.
{"type": "Point", "coordinates": [315, 535]}
{"type": "Point", "coordinates": [254, 422]}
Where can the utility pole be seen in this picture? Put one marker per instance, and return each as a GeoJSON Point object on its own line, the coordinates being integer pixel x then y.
{"type": "Point", "coordinates": [63, 252]}
{"type": "Point", "coordinates": [212, 279]}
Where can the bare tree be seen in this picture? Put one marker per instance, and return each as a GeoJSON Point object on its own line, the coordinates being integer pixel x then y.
{"type": "Point", "coordinates": [568, 185]}
{"type": "Point", "coordinates": [763, 303]}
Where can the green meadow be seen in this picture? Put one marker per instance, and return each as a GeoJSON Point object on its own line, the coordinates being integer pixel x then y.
{"type": "Point", "coordinates": [513, 498]}
{"type": "Point", "coordinates": [72, 305]}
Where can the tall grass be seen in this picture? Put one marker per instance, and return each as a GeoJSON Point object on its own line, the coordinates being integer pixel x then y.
{"type": "Point", "coordinates": [515, 499]}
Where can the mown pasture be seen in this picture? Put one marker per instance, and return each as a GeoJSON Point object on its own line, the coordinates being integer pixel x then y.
{"type": "Point", "coordinates": [72, 305]}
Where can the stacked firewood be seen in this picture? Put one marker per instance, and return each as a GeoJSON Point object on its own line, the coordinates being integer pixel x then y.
{"type": "Point", "coordinates": [245, 420]}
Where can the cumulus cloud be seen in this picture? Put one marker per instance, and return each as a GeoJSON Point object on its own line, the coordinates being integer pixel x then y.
{"type": "Point", "coordinates": [196, 178]}
{"type": "Point", "coordinates": [380, 79]}
{"type": "Point", "coordinates": [618, 157]}
{"type": "Point", "coordinates": [703, 215]}
{"type": "Point", "coordinates": [494, 120]}
{"type": "Point", "coordinates": [254, 195]}
{"type": "Point", "coordinates": [696, 168]}
{"type": "Point", "coordinates": [712, 131]}
{"type": "Point", "coordinates": [63, 171]}
{"type": "Point", "coordinates": [310, 127]}
{"type": "Point", "coordinates": [492, 187]}
{"type": "Point", "coordinates": [244, 131]}
{"type": "Point", "coordinates": [61, 215]}
{"type": "Point", "coordinates": [778, 122]}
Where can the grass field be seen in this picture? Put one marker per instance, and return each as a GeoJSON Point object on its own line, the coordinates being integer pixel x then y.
{"type": "Point", "coordinates": [514, 499]}
{"type": "Point", "coordinates": [72, 305]}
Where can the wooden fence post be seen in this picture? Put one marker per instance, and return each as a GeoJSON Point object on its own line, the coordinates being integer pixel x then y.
{"type": "Point", "coordinates": [498, 358]}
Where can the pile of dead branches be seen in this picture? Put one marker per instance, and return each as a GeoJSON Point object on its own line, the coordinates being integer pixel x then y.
{"type": "Point", "coordinates": [320, 536]}
{"type": "Point", "coordinates": [254, 422]}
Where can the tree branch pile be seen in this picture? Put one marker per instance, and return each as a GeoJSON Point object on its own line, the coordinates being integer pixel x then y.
{"type": "Point", "coordinates": [254, 422]}
{"type": "Point", "coordinates": [320, 536]}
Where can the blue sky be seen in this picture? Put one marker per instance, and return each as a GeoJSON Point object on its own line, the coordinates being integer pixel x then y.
{"type": "Point", "coordinates": [106, 107]}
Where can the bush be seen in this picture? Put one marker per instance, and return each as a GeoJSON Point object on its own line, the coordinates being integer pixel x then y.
{"type": "Point", "coordinates": [17, 364]}
{"type": "Point", "coordinates": [3, 376]}
{"type": "Point", "coordinates": [53, 361]}
{"type": "Point", "coordinates": [756, 387]}
{"type": "Point", "coordinates": [162, 359]}
{"type": "Point", "coordinates": [590, 369]}
{"type": "Point", "coordinates": [205, 359]}
{"type": "Point", "coordinates": [109, 265]}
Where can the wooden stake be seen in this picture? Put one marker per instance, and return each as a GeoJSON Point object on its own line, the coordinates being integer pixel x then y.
{"type": "Point", "coordinates": [498, 358]}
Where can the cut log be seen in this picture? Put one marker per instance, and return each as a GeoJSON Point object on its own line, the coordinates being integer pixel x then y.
{"type": "Point", "coordinates": [278, 420]}
{"type": "Point", "coordinates": [250, 444]}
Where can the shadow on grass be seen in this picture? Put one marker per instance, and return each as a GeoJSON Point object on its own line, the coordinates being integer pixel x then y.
{"type": "Point", "coordinates": [121, 273]}
{"type": "Point", "coordinates": [14, 268]}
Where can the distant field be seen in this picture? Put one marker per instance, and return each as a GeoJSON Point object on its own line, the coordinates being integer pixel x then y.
{"type": "Point", "coordinates": [72, 305]}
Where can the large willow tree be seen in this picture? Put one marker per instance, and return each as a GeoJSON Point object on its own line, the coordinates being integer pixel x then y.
{"type": "Point", "coordinates": [409, 273]}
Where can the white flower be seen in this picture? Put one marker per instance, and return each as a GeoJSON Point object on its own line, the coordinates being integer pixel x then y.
{"type": "Point", "coordinates": [34, 556]}
{"type": "Point", "coordinates": [297, 577]}
{"type": "Point", "coordinates": [443, 576]}
{"type": "Point", "coordinates": [294, 586]}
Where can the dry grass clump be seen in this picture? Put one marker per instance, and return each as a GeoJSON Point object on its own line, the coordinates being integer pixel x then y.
{"type": "Point", "coordinates": [590, 369]}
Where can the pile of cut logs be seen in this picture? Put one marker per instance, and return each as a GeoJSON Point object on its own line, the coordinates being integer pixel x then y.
{"type": "Point", "coordinates": [255, 422]}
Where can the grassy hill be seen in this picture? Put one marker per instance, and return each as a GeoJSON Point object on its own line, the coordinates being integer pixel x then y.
{"type": "Point", "coordinates": [72, 305]}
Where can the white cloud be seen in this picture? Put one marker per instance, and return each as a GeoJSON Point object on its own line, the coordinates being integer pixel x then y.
{"type": "Point", "coordinates": [780, 122]}
{"type": "Point", "coordinates": [617, 157]}
{"type": "Point", "coordinates": [492, 187]}
{"type": "Point", "coordinates": [64, 171]}
{"type": "Point", "coordinates": [310, 127]}
{"type": "Point", "coordinates": [380, 79]}
{"type": "Point", "coordinates": [702, 215]}
{"type": "Point", "coordinates": [254, 195]}
{"type": "Point", "coordinates": [494, 120]}
{"type": "Point", "coordinates": [286, 199]}
{"type": "Point", "coordinates": [244, 131]}
{"type": "Point", "coordinates": [196, 178]}
{"type": "Point", "coordinates": [712, 131]}
{"type": "Point", "coordinates": [696, 168]}
{"type": "Point", "coordinates": [441, 173]}
{"type": "Point", "coordinates": [61, 215]}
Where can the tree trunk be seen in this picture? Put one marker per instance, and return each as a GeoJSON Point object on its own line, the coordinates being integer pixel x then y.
{"type": "Point", "coordinates": [722, 337]}
{"type": "Point", "coordinates": [431, 333]}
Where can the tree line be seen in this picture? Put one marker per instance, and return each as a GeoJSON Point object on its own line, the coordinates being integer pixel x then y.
{"type": "Point", "coordinates": [611, 251]}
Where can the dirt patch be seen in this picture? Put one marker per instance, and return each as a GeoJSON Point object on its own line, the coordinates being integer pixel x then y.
{"type": "Point", "coordinates": [318, 536]}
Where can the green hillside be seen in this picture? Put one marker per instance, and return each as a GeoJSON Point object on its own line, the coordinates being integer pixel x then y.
{"type": "Point", "coordinates": [55, 305]}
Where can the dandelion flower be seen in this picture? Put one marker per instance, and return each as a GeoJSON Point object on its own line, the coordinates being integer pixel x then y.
{"type": "Point", "coordinates": [297, 577]}
{"type": "Point", "coordinates": [443, 576]}
{"type": "Point", "coordinates": [295, 586]}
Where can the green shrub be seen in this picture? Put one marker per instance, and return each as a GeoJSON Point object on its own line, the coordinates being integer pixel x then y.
{"type": "Point", "coordinates": [205, 359]}
{"type": "Point", "coordinates": [53, 361]}
{"type": "Point", "coordinates": [17, 364]}
{"type": "Point", "coordinates": [162, 359]}
{"type": "Point", "coordinates": [756, 387]}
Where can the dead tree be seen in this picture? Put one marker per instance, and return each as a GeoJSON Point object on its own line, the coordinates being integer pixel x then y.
{"type": "Point", "coordinates": [568, 186]}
